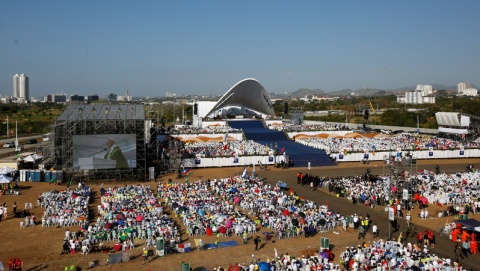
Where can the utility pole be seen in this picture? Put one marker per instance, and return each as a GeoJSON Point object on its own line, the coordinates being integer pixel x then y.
{"type": "Point", "coordinates": [418, 124]}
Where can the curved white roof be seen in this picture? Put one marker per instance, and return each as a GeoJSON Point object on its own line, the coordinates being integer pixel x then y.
{"type": "Point", "coordinates": [248, 93]}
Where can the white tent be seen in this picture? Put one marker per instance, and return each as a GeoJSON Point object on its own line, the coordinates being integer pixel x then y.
{"type": "Point", "coordinates": [29, 159]}
{"type": "Point", "coordinates": [6, 170]}
{"type": "Point", "coordinates": [32, 158]}
{"type": "Point", "coordinates": [5, 179]}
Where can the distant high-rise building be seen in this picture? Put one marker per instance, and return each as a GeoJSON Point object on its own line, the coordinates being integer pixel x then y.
{"type": "Point", "coordinates": [77, 98]}
{"type": "Point", "coordinates": [91, 98]}
{"type": "Point", "coordinates": [20, 87]}
{"type": "Point", "coordinates": [463, 86]}
{"type": "Point", "coordinates": [57, 98]}
{"type": "Point", "coordinates": [426, 89]}
{"type": "Point", "coordinates": [470, 92]}
{"type": "Point", "coordinates": [421, 95]}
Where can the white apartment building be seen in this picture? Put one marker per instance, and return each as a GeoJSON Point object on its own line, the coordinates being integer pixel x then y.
{"type": "Point", "coordinates": [20, 87]}
{"type": "Point", "coordinates": [426, 89]}
{"type": "Point", "coordinates": [418, 96]}
{"type": "Point", "coordinates": [470, 92]}
{"type": "Point", "coordinates": [463, 86]}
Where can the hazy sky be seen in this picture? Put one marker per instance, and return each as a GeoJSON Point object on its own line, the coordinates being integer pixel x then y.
{"type": "Point", "coordinates": [201, 47]}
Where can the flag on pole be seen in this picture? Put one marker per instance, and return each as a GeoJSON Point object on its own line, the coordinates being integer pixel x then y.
{"type": "Point", "coordinates": [244, 173]}
{"type": "Point", "coordinates": [186, 172]}
{"type": "Point", "coordinates": [53, 180]}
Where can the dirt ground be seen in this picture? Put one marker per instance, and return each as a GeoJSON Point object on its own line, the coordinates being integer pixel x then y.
{"type": "Point", "coordinates": [40, 247]}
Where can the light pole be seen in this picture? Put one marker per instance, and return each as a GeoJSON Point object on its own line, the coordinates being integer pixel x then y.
{"type": "Point", "coordinates": [183, 109]}
{"type": "Point", "coordinates": [7, 127]}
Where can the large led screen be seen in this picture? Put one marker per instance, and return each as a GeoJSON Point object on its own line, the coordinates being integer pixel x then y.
{"type": "Point", "coordinates": [107, 151]}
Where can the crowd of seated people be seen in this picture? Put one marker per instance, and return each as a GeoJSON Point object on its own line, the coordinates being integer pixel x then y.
{"type": "Point", "coordinates": [404, 141]}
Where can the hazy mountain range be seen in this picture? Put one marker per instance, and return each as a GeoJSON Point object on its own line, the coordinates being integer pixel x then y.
{"type": "Point", "coordinates": [360, 92]}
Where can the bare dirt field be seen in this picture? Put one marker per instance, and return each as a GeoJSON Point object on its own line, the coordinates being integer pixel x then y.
{"type": "Point", "coordinates": [40, 247]}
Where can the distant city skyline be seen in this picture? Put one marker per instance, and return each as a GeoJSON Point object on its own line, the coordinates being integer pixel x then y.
{"type": "Point", "coordinates": [201, 48]}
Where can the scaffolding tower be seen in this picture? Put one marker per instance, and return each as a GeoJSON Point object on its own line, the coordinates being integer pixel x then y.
{"type": "Point", "coordinates": [400, 168]}
{"type": "Point", "coordinates": [163, 149]}
{"type": "Point", "coordinates": [98, 119]}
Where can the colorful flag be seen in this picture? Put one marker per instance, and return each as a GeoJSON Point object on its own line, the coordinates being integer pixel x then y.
{"type": "Point", "coordinates": [53, 180]}
{"type": "Point", "coordinates": [186, 172]}
{"type": "Point", "coordinates": [244, 173]}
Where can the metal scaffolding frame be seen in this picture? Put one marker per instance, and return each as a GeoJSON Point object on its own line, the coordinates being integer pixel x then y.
{"type": "Point", "coordinates": [400, 170]}
{"type": "Point", "coordinates": [98, 119]}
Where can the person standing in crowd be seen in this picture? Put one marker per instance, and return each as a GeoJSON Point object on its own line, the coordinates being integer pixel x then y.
{"type": "Point", "coordinates": [256, 241]}
{"type": "Point", "coordinates": [375, 230]}
{"type": "Point", "coordinates": [145, 255]}
{"type": "Point", "coordinates": [399, 210]}
{"type": "Point", "coordinates": [361, 232]}
{"type": "Point", "coordinates": [458, 251]}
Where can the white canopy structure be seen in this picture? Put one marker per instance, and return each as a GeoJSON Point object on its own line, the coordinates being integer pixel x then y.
{"type": "Point", "coordinates": [456, 123]}
{"type": "Point", "coordinates": [32, 158]}
{"type": "Point", "coordinates": [248, 93]}
{"type": "Point", "coordinates": [452, 119]}
{"type": "Point", "coordinates": [5, 179]}
{"type": "Point", "coordinates": [6, 170]}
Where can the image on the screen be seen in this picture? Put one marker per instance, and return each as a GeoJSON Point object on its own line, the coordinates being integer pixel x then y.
{"type": "Point", "coordinates": [107, 151]}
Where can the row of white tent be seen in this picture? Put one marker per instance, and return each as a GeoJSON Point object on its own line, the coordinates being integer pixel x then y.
{"type": "Point", "coordinates": [3, 174]}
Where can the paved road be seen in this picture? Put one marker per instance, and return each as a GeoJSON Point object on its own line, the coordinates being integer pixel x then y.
{"type": "Point", "coordinates": [444, 246]}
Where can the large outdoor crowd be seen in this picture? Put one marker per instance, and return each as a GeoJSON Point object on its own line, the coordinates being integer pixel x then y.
{"type": "Point", "coordinates": [461, 190]}
{"type": "Point", "coordinates": [65, 208]}
{"type": "Point", "coordinates": [404, 141]}
{"type": "Point", "coordinates": [202, 212]}
{"type": "Point", "coordinates": [287, 127]}
{"type": "Point", "coordinates": [392, 255]}
{"type": "Point", "coordinates": [224, 207]}
{"type": "Point", "coordinates": [217, 149]}
{"type": "Point", "coordinates": [284, 212]}
{"type": "Point", "coordinates": [125, 214]}
{"type": "Point", "coordinates": [206, 130]}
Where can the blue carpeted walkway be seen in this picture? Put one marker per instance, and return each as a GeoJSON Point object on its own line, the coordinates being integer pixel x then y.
{"type": "Point", "coordinates": [300, 154]}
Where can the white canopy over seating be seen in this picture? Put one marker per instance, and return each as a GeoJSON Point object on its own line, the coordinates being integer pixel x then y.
{"type": "Point", "coordinates": [5, 179]}
{"type": "Point", "coordinates": [6, 170]}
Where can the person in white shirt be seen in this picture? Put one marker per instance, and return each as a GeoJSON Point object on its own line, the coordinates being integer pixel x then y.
{"type": "Point", "coordinates": [375, 230]}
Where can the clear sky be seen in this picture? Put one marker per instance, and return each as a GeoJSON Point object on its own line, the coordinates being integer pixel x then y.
{"type": "Point", "coordinates": [201, 47]}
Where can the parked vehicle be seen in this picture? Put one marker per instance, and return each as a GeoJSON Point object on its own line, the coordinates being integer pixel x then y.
{"type": "Point", "coordinates": [9, 145]}
{"type": "Point", "coordinates": [32, 141]}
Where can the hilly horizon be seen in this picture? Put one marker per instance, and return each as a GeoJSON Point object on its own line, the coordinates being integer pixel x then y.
{"type": "Point", "coordinates": [361, 91]}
